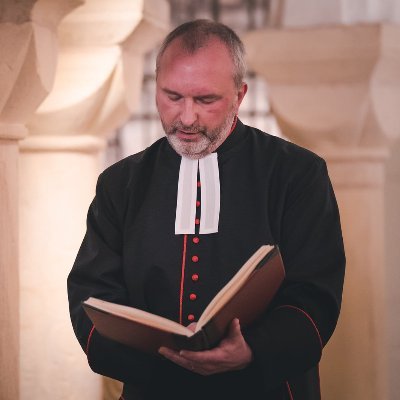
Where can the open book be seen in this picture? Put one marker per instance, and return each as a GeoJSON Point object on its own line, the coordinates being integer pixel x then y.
{"type": "Point", "coordinates": [245, 297]}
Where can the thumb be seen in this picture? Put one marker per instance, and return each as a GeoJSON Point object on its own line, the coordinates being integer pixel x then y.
{"type": "Point", "coordinates": [234, 329]}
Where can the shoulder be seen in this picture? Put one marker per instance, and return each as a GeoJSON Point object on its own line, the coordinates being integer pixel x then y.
{"type": "Point", "coordinates": [281, 148]}
{"type": "Point", "coordinates": [122, 185]}
{"type": "Point", "coordinates": [283, 155]}
{"type": "Point", "coordinates": [126, 171]}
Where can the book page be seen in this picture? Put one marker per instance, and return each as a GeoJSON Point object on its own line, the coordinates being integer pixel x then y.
{"type": "Point", "coordinates": [138, 315]}
{"type": "Point", "coordinates": [232, 287]}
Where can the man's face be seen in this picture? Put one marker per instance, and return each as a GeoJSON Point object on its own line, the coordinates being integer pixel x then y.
{"type": "Point", "coordinates": [196, 97]}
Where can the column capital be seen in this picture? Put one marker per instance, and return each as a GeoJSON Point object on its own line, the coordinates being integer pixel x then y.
{"type": "Point", "coordinates": [28, 45]}
{"type": "Point", "coordinates": [71, 143]}
{"type": "Point", "coordinates": [12, 131]}
{"type": "Point", "coordinates": [97, 84]}
{"type": "Point", "coordinates": [332, 86]}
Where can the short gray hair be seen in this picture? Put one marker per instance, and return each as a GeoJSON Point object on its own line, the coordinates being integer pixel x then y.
{"type": "Point", "coordinates": [195, 34]}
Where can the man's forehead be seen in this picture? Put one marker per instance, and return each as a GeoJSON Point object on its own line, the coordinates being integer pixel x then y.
{"type": "Point", "coordinates": [208, 70]}
{"type": "Point", "coordinates": [212, 45]}
{"type": "Point", "coordinates": [194, 80]}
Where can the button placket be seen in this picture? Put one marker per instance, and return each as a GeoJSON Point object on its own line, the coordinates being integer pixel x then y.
{"type": "Point", "coordinates": [195, 276]}
{"type": "Point", "coordinates": [193, 296]}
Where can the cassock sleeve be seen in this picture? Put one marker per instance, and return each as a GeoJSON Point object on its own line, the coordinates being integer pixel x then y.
{"type": "Point", "coordinates": [289, 340]}
{"type": "Point", "coordinates": [97, 272]}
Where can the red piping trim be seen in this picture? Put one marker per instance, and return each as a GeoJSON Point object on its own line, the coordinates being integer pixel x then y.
{"type": "Point", "coordinates": [182, 278]}
{"type": "Point", "coordinates": [308, 317]}
{"type": "Point", "coordinates": [88, 341]}
{"type": "Point", "coordinates": [289, 391]}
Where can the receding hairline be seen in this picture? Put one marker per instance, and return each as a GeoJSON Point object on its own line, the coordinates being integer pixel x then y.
{"type": "Point", "coordinates": [197, 34]}
{"type": "Point", "coordinates": [178, 48]}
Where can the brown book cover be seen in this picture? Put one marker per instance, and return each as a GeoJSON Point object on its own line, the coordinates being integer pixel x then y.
{"type": "Point", "coordinates": [244, 297]}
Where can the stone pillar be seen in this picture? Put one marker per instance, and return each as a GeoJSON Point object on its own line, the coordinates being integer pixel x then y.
{"type": "Point", "coordinates": [392, 248]}
{"type": "Point", "coordinates": [355, 363]}
{"type": "Point", "coordinates": [336, 91]}
{"type": "Point", "coordinates": [27, 61]}
{"type": "Point", "coordinates": [96, 87]}
{"type": "Point", "coordinates": [9, 277]}
{"type": "Point", "coordinates": [57, 183]}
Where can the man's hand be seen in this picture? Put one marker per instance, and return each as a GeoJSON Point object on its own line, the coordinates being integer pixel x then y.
{"type": "Point", "coordinates": [231, 354]}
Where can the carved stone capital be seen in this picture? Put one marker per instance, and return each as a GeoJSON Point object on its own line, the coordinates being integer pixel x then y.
{"type": "Point", "coordinates": [332, 86]}
{"type": "Point", "coordinates": [28, 43]}
{"type": "Point", "coordinates": [97, 84]}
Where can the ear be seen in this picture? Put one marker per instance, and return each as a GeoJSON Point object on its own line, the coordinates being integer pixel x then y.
{"type": "Point", "coordinates": [241, 93]}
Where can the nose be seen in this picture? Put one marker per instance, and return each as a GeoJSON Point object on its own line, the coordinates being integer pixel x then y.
{"type": "Point", "coordinates": [188, 114]}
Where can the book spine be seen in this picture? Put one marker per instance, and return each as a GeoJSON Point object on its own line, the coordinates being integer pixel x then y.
{"type": "Point", "coordinates": [212, 334]}
{"type": "Point", "coordinates": [204, 339]}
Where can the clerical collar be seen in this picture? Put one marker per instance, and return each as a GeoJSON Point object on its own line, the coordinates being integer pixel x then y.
{"type": "Point", "coordinates": [208, 169]}
{"type": "Point", "coordinates": [187, 195]}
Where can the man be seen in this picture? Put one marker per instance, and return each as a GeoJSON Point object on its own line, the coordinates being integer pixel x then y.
{"type": "Point", "coordinates": [171, 225]}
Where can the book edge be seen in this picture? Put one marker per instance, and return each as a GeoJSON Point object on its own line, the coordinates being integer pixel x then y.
{"type": "Point", "coordinates": [138, 316]}
{"type": "Point", "coordinates": [240, 278]}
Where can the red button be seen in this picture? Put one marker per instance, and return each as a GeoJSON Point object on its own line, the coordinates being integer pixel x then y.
{"type": "Point", "coordinates": [195, 258]}
{"type": "Point", "coordinates": [197, 203]}
{"type": "Point", "coordinates": [196, 240]}
{"type": "Point", "coordinates": [197, 221]}
{"type": "Point", "coordinates": [190, 317]}
{"type": "Point", "coordinates": [198, 183]}
{"type": "Point", "coordinates": [195, 277]}
{"type": "Point", "coordinates": [192, 296]}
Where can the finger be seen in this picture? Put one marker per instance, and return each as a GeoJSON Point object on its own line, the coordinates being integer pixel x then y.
{"type": "Point", "coordinates": [234, 336]}
{"type": "Point", "coordinates": [234, 329]}
{"type": "Point", "coordinates": [176, 358]}
{"type": "Point", "coordinates": [198, 356]}
{"type": "Point", "coordinates": [215, 354]}
{"type": "Point", "coordinates": [166, 352]}
{"type": "Point", "coordinates": [186, 358]}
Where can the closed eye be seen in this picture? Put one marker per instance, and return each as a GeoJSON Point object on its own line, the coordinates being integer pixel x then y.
{"type": "Point", "coordinates": [174, 96]}
{"type": "Point", "coordinates": [207, 99]}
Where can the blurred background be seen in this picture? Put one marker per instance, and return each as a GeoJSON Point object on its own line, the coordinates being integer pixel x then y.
{"type": "Point", "coordinates": [77, 87]}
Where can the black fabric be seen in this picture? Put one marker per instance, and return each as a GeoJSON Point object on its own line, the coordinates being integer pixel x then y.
{"type": "Point", "coordinates": [272, 191]}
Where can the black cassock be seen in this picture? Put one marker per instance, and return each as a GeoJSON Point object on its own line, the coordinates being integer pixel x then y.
{"type": "Point", "coordinates": [272, 192]}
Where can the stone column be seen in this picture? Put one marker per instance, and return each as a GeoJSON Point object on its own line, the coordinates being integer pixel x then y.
{"type": "Point", "coordinates": [355, 363]}
{"type": "Point", "coordinates": [96, 87]}
{"type": "Point", "coordinates": [27, 61]}
{"type": "Point", "coordinates": [336, 91]}
{"type": "Point", "coordinates": [57, 182]}
{"type": "Point", "coordinates": [9, 277]}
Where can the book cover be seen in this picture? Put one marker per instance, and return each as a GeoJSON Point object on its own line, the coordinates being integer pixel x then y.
{"type": "Point", "coordinates": [246, 296]}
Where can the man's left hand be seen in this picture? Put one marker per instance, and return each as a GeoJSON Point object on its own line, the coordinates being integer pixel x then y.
{"type": "Point", "coordinates": [233, 353]}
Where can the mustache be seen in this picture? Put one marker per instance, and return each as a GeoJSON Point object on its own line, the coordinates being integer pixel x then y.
{"type": "Point", "coordinates": [178, 126]}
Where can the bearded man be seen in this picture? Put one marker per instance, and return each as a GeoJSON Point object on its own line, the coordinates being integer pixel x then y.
{"type": "Point", "coordinates": [171, 225]}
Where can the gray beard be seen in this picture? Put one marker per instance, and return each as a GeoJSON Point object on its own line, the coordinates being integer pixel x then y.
{"type": "Point", "coordinates": [208, 143]}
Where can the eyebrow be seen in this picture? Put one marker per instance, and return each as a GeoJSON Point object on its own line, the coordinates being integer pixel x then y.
{"type": "Point", "coordinates": [169, 91]}
{"type": "Point", "coordinates": [208, 96]}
